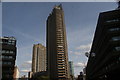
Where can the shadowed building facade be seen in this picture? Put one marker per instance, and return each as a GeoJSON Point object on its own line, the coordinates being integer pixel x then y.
{"type": "Point", "coordinates": [38, 58]}
{"type": "Point", "coordinates": [57, 53]}
{"type": "Point", "coordinates": [104, 59]}
{"type": "Point", "coordinates": [7, 57]}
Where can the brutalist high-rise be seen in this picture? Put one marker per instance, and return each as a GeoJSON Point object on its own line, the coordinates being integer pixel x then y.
{"type": "Point", "coordinates": [57, 53]}
{"type": "Point", "coordinates": [38, 58]}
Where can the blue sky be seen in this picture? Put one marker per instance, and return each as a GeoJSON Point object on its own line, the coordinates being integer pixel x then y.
{"type": "Point", "coordinates": [26, 21]}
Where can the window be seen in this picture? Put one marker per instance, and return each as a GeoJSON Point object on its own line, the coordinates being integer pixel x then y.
{"type": "Point", "coordinates": [60, 46]}
{"type": "Point", "coordinates": [7, 51]}
{"type": "Point", "coordinates": [10, 57]}
{"type": "Point", "coordinates": [3, 51]}
{"type": "Point", "coordinates": [113, 20]}
{"type": "Point", "coordinates": [7, 57]}
{"type": "Point", "coordinates": [11, 51]}
{"type": "Point", "coordinates": [0, 51]}
{"type": "Point", "coordinates": [114, 29]}
{"type": "Point", "coordinates": [116, 38]}
{"type": "Point", "coordinates": [117, 48]}
{"type": "Point", "coordinates": [59, 29]}
{"type": "Point", "coordinates": [61, 67]}
{"type": "Point", "coordinates": [11, 42]}
{"type": "Point", "coordinates": [6, 62]}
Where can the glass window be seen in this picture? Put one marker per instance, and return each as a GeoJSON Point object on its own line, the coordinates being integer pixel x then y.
{"type": "Point", "coordinates": [3, 51]}
{"type": "Point", "coordinates": [0, 51]}
{"type": "Point", "coordinates": [114, 29]}
{"type": "Point", "coordinates": [9, 62]}
{"type": "Point", "coordinates": [13, 41]}
{"type": "Point", "coordinates": [11, 51]}
{"type": "Point", "coordinates": [10, 57]}
{"type": "Point", "coordinates": [116, 38]}
{"type": "Point", "coordinates": [113, 20]}
{"type": "Point", "coordinates": [6, 62]}
{"type": "Point", "coordinates": [9, 41]}
{"type": "Point", "coordinates": [7, 51]}
{"type": "Point", "coordinates": [117, 48]}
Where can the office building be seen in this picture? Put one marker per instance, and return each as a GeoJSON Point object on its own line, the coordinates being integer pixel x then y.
{"type": "Point", "coordinates": [71, 70]}
{"type": "Point", "coordinates": [104, 59]}
{"type": "Point", "coordinates": [38, 58]}
{"type": "Point", "coordinates": [57, 53]}
{"type": "Point", "coordinates": [8, 56]}
{"type": "Point", "coordinates": [30, 74]}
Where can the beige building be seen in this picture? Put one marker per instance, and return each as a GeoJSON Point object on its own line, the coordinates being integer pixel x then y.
{"type": "Point", "coordinates": [39, 58]}
{"type": "Point", "coordinates": [30, 74]}
{"type": "Point", "coordinates": [16, 73]}
{"type": "Point", "coordinates": [57, 53]}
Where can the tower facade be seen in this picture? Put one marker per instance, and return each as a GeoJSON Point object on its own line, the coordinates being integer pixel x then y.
{"type": "Point", "coordinates": [57, 53]}
{"type": "Point", "coordinates": [39, 58]}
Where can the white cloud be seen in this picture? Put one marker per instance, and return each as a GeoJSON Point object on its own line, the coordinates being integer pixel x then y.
{"type": "Point", "coordinates": [25, 70]}
{"type": "Point", "coordinates": [79, 64]}
{"type": "Point", "coordinates": [76, 53]}
{"type": "Point", "coordinates": [28, 62]}
{"type": "Point", "coordinates": [84, 47]}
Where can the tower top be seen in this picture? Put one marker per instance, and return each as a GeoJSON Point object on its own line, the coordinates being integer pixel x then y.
{"type": "Point", "coordinates": [58, 6]}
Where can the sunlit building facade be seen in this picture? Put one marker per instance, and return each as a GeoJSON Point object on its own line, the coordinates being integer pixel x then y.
{"type": "Point", "coordinates": [16, 73]}
{"type": "Point", "coordinates": [38, 58]}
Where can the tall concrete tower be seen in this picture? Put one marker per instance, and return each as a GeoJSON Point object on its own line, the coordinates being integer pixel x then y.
{"type": "Point", "coordinates": [57, 53]}
{"type": "Point", "coordinates": [39, 58]}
